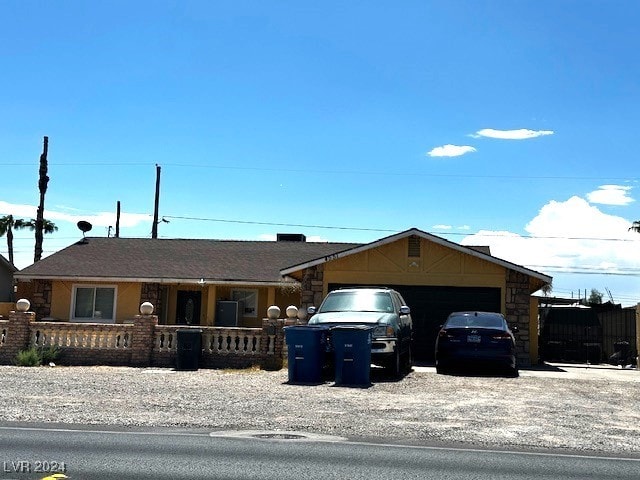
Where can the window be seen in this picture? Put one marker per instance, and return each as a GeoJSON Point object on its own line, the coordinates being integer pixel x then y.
{"type": "Point", "coordinates": [93, 304]}
{"type": "Point", "coordinates": [249, 299]}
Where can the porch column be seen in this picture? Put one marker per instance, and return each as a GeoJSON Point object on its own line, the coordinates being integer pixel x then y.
{"type": "Point", "coordinates": [211, 304]}
{"type": "Point", "coordinates": [271, 295]}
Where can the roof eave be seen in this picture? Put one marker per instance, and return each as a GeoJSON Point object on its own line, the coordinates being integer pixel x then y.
{"type": "Point", "coordinates": [162, 280]}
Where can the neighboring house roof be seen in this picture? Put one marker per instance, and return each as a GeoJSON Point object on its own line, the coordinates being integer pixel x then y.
{"type": "Point", "coordinates": [481, 248]}
{"type": "Point", "coordinates": [7, 264]}
{"type": "Point", "coordinates": [432, 238]}
{"type": "Point", "coordinates": [176, 260]}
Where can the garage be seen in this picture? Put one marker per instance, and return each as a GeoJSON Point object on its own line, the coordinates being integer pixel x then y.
{"type": "Point", "coordinates": [436, 277]}
{"type": "Point", "coordinates": [430, 306]}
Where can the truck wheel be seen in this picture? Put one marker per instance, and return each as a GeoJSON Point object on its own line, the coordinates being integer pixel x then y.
{"type": "Point", "coordinates": [394, 366]}
{"type": "Point", "coordinates": [407, 361]}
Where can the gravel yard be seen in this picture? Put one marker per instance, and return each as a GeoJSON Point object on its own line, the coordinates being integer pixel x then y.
{"type": "Point", "coordinates": [589, 410]}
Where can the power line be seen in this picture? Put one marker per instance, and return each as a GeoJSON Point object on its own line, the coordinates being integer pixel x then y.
{"type": "Point", "coordinates": [387, 230]}
{"type": "Point", "coordinates": [273, 224]}
{"type": "Point", "coordinates": [334, 172]}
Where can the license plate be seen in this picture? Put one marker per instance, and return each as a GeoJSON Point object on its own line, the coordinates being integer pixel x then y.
{"type": "Point", "coordinates": [473, 339]}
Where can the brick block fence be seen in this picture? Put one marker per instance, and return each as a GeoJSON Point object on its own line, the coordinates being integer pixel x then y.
{"type": "Point", "coordinates": [141, 342]}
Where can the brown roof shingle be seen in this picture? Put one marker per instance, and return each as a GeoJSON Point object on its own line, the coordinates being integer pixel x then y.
{"type": "Point", "coordinates": [186, 259]}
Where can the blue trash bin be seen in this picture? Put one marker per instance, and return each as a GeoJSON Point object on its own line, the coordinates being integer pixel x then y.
{"type": "Point", "coordinates": [352, 350]}
{"type": "Point", "coordinates": [306, 350]}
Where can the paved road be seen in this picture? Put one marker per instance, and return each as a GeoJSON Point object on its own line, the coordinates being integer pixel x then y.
{"type": "Point", "coordinates": [90, 453]}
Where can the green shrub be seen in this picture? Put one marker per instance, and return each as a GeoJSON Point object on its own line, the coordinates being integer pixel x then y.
{"type": "Point", "coordinates": [49, 354]}
{"type": "Point", "coordinates": [28, 358]}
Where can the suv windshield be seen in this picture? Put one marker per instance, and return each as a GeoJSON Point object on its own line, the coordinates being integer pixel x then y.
{"type": "Point", "coordinates": [364, 301]}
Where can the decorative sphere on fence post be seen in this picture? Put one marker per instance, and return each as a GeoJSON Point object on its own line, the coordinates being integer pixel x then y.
{"type": "Point", "coordinates": [302, 314]}
{"type": "Point", "coordinates": [146, 308]}
{"type": "Point", "coordinates": [273, 312]}
{"type": "Point", "coordinates": [292, 311]}
{"type": "Point", "coordinates": [23, 305]}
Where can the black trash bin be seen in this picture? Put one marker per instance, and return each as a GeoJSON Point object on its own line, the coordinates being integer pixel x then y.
{"type": "Point", "coordinates": [189, 347]}
{"type": "Point", "coordinates": [352, 350]}
{"type": "Point", "coordinates": [306, 350]}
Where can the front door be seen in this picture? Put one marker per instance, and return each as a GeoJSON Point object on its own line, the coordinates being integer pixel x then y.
{"type": "Point", "coordinates": [188, 307]}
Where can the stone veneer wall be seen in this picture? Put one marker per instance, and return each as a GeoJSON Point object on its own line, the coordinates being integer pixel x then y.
{"type": "Point", "coordinates": [518, 304]}
{"type": "Point", "coordinates": [151, 292]}
{"type": "Point", "coordinates": [312, 287]}
{"type": "Point", "coordinates": [41, 298]}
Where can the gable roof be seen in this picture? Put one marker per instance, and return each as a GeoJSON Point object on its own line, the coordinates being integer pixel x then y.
{"type": "Point", "coordinates": [10, 267]}
{"type": "Point", "coordinates": [473, 251]}
{"type": "Point", "coordinates": [176, 260]}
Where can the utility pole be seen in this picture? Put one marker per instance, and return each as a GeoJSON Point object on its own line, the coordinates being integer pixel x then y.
{"type": "Point", "coordinates": [118, 220]}
{"type": "Point", "coordinates": [154, 228]}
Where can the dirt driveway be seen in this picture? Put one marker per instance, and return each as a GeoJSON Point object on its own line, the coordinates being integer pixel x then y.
{"type": "Point", "coordinates": [591, 409]}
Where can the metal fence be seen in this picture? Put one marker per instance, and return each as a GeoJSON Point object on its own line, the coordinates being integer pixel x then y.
{"type": "Point", "coordinates": [588, 335]}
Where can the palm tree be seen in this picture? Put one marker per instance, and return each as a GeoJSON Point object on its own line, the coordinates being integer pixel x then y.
{"type": "Point", "coordinates": [636, 226]}
{"type": "Point", "coordinates": [39, 225]}
{"type": "Point", "coordinates": [7, 225]}
{"type": "Point", "coordinates": [47, 227]}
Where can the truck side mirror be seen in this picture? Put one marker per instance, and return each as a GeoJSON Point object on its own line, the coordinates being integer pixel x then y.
{"type": "Point", "coordinates": [404, 310]}
{"type": "Point", "coordinates": [311, 311]}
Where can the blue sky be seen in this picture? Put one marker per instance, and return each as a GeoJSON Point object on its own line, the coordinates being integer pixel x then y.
{"type": "Point", "coordinates": [509, 124]}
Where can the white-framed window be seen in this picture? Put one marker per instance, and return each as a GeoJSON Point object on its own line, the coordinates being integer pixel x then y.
{"type": "Point", "coordinates": [249, 299]}
{"type": "Point", "coordinates": [94, 303]}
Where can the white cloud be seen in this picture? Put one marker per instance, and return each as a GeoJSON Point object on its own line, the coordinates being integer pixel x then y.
{"type": "Point", "coordinates": [442, 227]}
{"type": "Point", "coordinates": [451, 151]}
{"type": "Point", "coordinates": [572, 236]}
{"type": "Point", "coordinates": [519, 134]}
{"type": "Point", "coordinates": [464, 227]}
{"type": "Point", "coordinates": [101, 219]}
{"type": "Point", "coordinates": [611, 195]}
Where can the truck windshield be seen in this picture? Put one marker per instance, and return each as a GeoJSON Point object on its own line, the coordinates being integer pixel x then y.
{"type": "Point", "coordinates": [357, 302]}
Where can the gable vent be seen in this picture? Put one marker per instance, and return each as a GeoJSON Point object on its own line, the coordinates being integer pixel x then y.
{"type": "Point", "coordinates": [414, 246]}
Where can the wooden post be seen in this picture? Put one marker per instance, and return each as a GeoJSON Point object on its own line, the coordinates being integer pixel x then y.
{"type": "Point", "coordinates": [638, 335]}
{"type": "Point", "coordinates": [118, 219]}
{"type": "Point", "coordinates": [154, 228]}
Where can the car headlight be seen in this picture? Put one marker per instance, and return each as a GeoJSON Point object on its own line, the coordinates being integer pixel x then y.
{"type": "Point", "coordinates": [384, 331]}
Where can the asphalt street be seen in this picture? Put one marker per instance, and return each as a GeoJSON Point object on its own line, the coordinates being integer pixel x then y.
{"type": "Point", "coordinates": [91, 453]}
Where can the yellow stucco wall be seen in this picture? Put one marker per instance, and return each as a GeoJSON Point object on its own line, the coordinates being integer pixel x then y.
{"type": "Point", "coordinates": [6, 307]}
{"type": "Point", "coordinates": [437, 266]}
{"type": "Point", "coordinates": [211, 294]}
{"type": "Point", "coordinates": [127, 299]}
